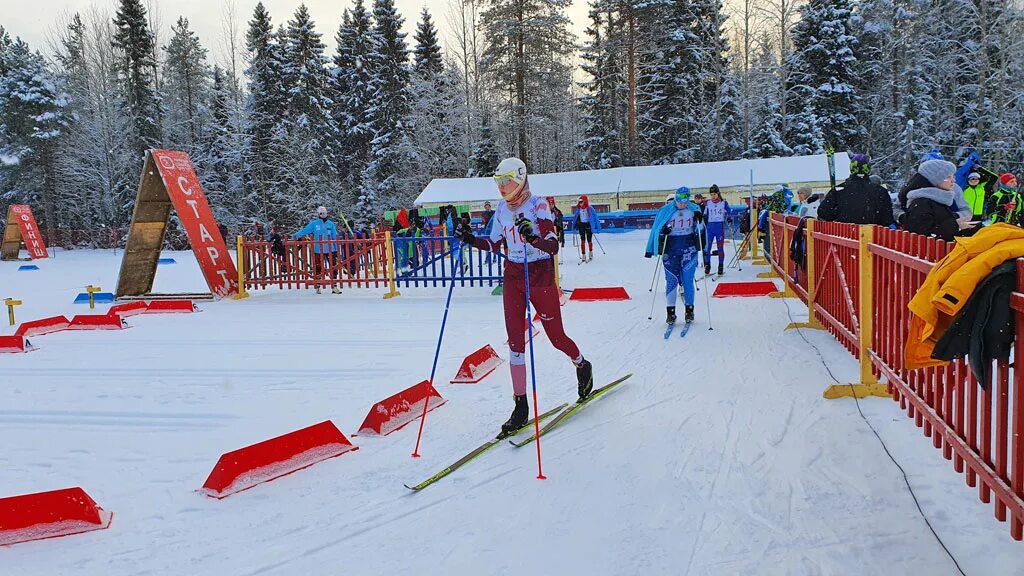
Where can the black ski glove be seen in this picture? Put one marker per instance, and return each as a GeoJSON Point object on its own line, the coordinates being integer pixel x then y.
{"type": "Point", "coordinates": [525, 228]}
{"type": "Point", "coordinates": [663, 238]}
{"type": "Point", "coordinates": [698, 216]}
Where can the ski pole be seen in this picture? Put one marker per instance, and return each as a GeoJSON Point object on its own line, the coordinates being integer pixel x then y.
{"type": "Point", "coordinates": [707, 298]}
{"type": "Point", "coordinates": [657, 265]}
{"type": "Point", "coordinates": [653, 297]}
{"type": "Point", "coordinates": [655, 277]}
{"type": "Point", "coordinates": [533, 362]}
{"type": "Point", "coordinates": [599, 245]}
{"type": "Point", "coordinates": [437, 353]}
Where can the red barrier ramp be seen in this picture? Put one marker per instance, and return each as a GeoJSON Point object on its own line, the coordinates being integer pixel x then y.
{"type": "Point", "coordinates": [744, 289]}
{"type": "Point", "coordinates": [599, 294]}
{"type": "Point", "coordinates": [15, 345]}
{"type": "Point", "coordinates": [171, 307]}
{"type": "Point", "coordinates": [478, 365]}
{"type": "Point", "coordinates": [396, 411]}
{"type": "Point", "coordinates": [49, 515]}
{"type": "Point", "coordinates": [271, 459]}
{"type": "Point", "coordinates": [128, 309]}
{"type": "Point", "coordinates": [42, 326]}
{"type": "Point", "coordinates": [97, 322]}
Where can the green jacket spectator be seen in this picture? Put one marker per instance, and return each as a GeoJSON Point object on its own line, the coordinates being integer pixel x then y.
{"type": "Point", "coordinates": [975, 194]}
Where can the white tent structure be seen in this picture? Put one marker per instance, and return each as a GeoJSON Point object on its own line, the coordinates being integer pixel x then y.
{"type": "Point", "coordinates": [642, 180]}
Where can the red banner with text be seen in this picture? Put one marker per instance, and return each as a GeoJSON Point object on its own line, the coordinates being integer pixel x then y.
{"type": "Point", "coordinates": [30, 234]}
{"type": "Point", "coordinates": [189, 201]}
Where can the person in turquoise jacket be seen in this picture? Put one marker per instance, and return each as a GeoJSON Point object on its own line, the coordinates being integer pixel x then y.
{"type": "Point", "coordinates": [325, 233]}
{"type": "Point", "coordinates": [675, 236]}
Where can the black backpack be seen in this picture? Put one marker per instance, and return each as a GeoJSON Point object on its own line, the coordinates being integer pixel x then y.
{"type": "Point", "coordinates": [798, 245]}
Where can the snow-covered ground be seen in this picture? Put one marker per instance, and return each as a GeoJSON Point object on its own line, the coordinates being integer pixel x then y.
{"type": "Point", "coordinates": [718, 457]}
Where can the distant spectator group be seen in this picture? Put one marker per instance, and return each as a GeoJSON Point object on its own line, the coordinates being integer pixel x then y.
{"type": "Point", "coordinates": [931, 202]}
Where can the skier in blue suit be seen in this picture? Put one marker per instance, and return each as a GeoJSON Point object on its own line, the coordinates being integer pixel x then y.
{"type": "Point", "coordinates": [325, 233]}
{"type": "Point", "coordinates": [676, 237]}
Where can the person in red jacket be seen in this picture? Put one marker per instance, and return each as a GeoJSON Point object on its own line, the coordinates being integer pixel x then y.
{"type": "Point", "coordinates": [523, 223]}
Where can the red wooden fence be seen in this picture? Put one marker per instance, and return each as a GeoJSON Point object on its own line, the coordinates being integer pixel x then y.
{"type": "Point", "coordinates": [980, 429]}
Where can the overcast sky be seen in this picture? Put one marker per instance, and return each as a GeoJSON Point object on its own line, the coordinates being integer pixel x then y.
{"type": "Point", "coordinates": [34, 19]}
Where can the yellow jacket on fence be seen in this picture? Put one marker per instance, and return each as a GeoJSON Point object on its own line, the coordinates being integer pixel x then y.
{"type": "Point", "coordinates": [950, 284]}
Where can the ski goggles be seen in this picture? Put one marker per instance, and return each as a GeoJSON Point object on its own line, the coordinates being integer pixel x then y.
{"type": "Point", "coordinates": [682, 194]}
{"type": "Point", "coordinates": [505, 177]}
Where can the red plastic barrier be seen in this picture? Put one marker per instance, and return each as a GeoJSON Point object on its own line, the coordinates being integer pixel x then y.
{"type": "Point", "coordinates": [171, 307]}
{"type": "Point", "coordinates": [42, 326]}
{"type": "Point", "coordinates": [396, 411]}
{"type": "Point", "coordinates": [744, 289]}
{"type": "Point", "coordinates": [271, 459]}
{"type": "Point", "coordinates": [49, 515]}
{"type": "Point", "coordinates": [97, 322]}
{"type": "Point", "coordinates": [128, 309]}
{"type": "Point", "coordinates": [15, 345]}
{"type": "Point", "coordinates": [599, 294]}
{"type": "Point", "coordinates": [477, 366]}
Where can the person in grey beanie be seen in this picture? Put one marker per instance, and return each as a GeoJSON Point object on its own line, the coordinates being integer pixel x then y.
{"type": "Point", "coordinates": [930, 210]}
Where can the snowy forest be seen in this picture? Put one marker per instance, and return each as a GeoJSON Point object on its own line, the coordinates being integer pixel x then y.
{"type": "Point", "coordinates": [277, 124]}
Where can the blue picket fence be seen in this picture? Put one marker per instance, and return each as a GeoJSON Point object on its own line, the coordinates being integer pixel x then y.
{"type": "Point", "coordinates": [437, 260]}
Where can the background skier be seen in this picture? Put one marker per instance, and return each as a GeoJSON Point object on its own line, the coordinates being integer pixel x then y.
{"type": "Point", "coordinates": [587, 223]}
{"type": "Point", "coordinates": [716, 212]}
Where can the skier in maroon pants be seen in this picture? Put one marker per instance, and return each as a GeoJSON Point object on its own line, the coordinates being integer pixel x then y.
{"type": "Point", "coordinates": [523, 223]}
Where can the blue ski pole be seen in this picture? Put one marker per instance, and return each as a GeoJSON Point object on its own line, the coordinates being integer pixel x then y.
{"type": "Point", "coordinates": [437, 352]}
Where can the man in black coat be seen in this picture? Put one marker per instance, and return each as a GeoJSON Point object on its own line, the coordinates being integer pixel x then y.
{"type": "Point", "coordinates": [858, 200]}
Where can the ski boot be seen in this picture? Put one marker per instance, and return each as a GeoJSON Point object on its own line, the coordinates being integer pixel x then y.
{"type": "Point", "coordinates": [584, 378]}
{"type": "Point", "coordinates": [707, 269]}
{"type": "Point", "coordinates": [721, 269]}
{"type": "Point", "coordinates": [671, 318]}
{"type": "Point", "coordinates": [335, 290]}
{"type": "Point", "coordinates": [520, 416]}
{"type": "Point", "coordinates": [319, 290]}
{"type": "Point", "coordinates": [689, 314]}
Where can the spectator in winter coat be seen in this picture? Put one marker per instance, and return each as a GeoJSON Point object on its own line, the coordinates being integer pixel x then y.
{"type": "Point", "coordinates": [325, 251]}
{"type": "Point", "coordinates": [857, 200]}
{"type": "Point", "coordinates": [487, 216]}
{"type": "Point", "coordinates": [975, 194]}
{"type": "Point", "coordinates": [916, 181]}
{"type": "Point", "coordinates": [928, 208]}
{"type": "Point", "coordinates": [809, 202]}
{"type": "Point", "coordinates": [1004, 205]}
{"type": "Point", "coordinates": [559, 219]}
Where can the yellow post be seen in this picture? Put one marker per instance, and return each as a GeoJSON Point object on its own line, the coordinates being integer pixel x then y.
{"type": "Point", "coordinates": [92, 290]}
{"type": "Point", "coordinates": [771, 271]}
{"type": "Point", "coordinates": [390, 249]}
{"type": "Point", "coordinates": [11, 303]}
{"type": "Point", "coordinates": [868, 385]}
{"type": "Point", "coordinates": [787, 288]}
{"type": "Point", "coordinates": [812, 278]}
{"type": "Point", "coordinates": [753, 231]}
{"type": "Point", "coordinates": [240, 264]}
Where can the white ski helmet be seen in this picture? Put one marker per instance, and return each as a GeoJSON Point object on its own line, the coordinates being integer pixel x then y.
{"type": "Point", "coordinates": [512, 168]}
{"type": "Point", "coordinates": [510, 175]}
